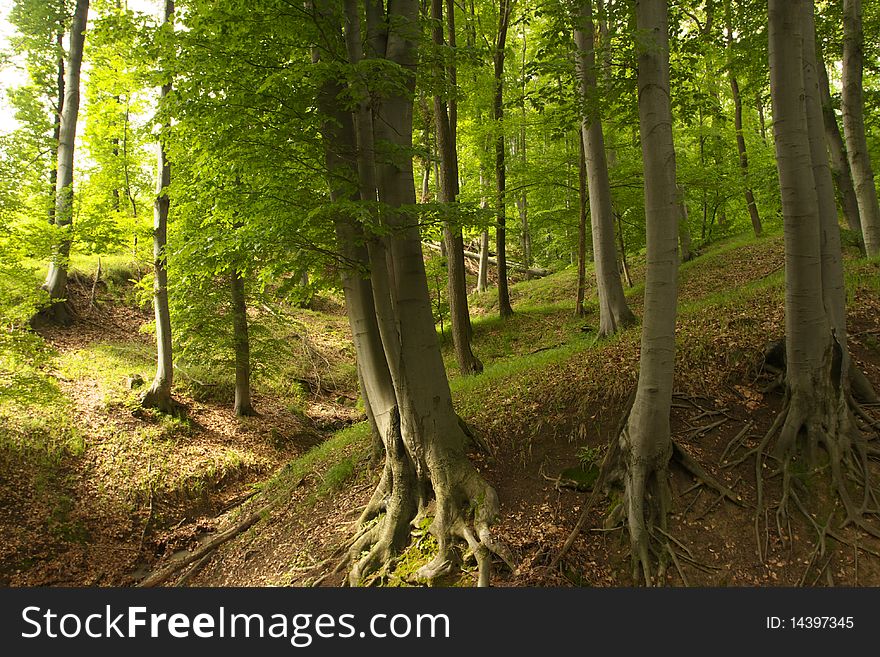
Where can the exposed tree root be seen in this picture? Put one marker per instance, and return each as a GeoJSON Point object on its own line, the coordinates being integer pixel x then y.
{"type": "Point", "coordinates": [161, 400]}
{"type": "Point", "coordinates": [806, 425]}
{"type": "Point", "coordinates": [463, 507]}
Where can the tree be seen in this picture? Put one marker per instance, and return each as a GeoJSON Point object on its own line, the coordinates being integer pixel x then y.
{"type": "Point", "coordinates": [445, 115]}
{"type": "Point", "coordinates": [817, 407]}
{"type": "Point", "coordinates": [740, 138]}
{"type": "Point", "coordinates": [645, 442]}
{"type": "Point", "coordinates": [614, 313]}
{"type": "Point", "coordinates": [399, 360]}
{"type": "Point", "coordinates": [56, 280]}
{"type": "Point", "coordinates": [243, 406]}
{"type": "Point", "coordinates": [505, 10]}
{"type": "Point", "coordinates": [159, 394]}
{"type": "Point", "coordinates": [854, 125]}
{"type": "Point", "coordinates": [837, 149]}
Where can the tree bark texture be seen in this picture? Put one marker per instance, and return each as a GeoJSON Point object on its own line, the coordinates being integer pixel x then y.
{"type": "Point", "coordinates": [646, 445]}
{"type": "Point", "coordinates": [456, 289]}
{"type": "Point", "coordinates": [505, 10]}
{"type": "Point", "coordinates": [392, 323]}
{"type": "Point", "coordinates": [854, 125]}
{"type": "Point", "coordinates": [242, 346]}
{"type": "Point", "coordinates": [837, 149]}
{"type": "Point", "coordinates": [614, 313]}
{"type": "Point", "coordinates": [56, 280]}
{"type": "Point", "coordinates": [159, 394]}
{"type": "Point", "coordinates": [816, 411]}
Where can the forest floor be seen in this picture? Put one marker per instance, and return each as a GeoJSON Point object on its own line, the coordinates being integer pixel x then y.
{"type": "Point", "coordinates": [127, 493]}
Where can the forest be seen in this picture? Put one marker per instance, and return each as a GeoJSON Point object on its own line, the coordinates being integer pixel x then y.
{"type": "Point", "coordinates": [510, 293]}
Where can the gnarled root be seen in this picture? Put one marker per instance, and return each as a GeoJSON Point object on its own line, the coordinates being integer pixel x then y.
{"type": "Point", "coordinates": [806, 425]}
{"type": "Point", "coordinates": [464, 507]}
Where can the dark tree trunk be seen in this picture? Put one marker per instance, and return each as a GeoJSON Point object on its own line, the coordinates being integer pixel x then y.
{"type": "Point", "coordinates": [579, 309]}
{"type": "Point", "coordinates": [242, 346]}
{"type": "Point", "coordinates": [504, 12]}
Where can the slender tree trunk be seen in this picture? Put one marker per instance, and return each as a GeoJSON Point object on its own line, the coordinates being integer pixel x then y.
{"type": "Point", "coordinates": [762, 121]}
{"type": "Point", "coordinates": [56, 125]}
{"type": "Point", "coordinates": [623, 264]}
{"type": "Point", "coordinates": [854, 126]}
{"type": "Point", "coordinates": [740, 137]}
{"type": "Point", "coordinates": [504, 12]}
{"type": "Point", "coordinates": [614, 313]}
{"type": "Point", "coordinates": [56, 280]}
{"type": "Point", "coordinates": [579, 309]}
{"type": "Point", "coordinates": [445, 117]}
{"type": "Point", "coordinates": [684, 228]}
{"type": "Point", "coordinates": [242, 346]}
{"type": "Point", "coordinates": [839, 162]}
{"type": "Point", "coordinates": [646, 444]}
{"type": "Point", "coordinates": [159, 394]}
{"type": "Point", "coordinates": [833, 284]}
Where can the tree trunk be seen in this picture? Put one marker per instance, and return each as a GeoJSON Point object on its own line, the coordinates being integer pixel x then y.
{"type": "Point", "coordinates": [242, 346]}
{"type": "Point", "coordinates": [684, 228]}
{"type": "Point", "coordinates": [159, 394]}
{"type": "Point", "coordinates": [839, 162]}
{"type": "Point", "coordinates": [456, 289]}
{"type": "Point", "coordinates": [854, 126]}
{"type": "Point", "coordinates": [56, 280]}
{"type": "Point", "coordinates": [56, 124]}
{"type": "Point", "coordinates": [614, 313]}
{"type": "Point", "coordinates": [762, 122]}
{"type": "Point", "coordinates": [483, 271]}
{"type": "Point", "coordinates": [815, 410]}
{"type": "Point", "coordinates": [392, 323]}
{"type": "Point", "coordinates": [645, 442]}
{"type": "Point", "coordinates": [623, 264]}
{"type": "Point", "coordinates": [579, 309]}
{"type": "Point", "coordinates": [740, 137]}
{"type": "Point", "coordinates": [504, 12]}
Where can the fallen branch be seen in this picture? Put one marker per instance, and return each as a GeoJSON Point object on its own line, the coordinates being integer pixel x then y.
{"type": "Point", "coordinates": [531, 271]}
{"type": "Point", "coordinates": [165, 573]}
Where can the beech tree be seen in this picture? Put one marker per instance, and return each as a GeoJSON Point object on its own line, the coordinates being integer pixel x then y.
{"type": "Point", "coordinates": [445, 116]}
{"type": "Point", "coordinates": [399, 360]}
{"type": "Point", "coordinates": [818, 405]}
{"type": "Point", "coordinates": [854, 126]}
{"type": "Point", "coordinates": [645, 442]}
{"type": "Point", "coordinates": [159, 393]}
{"type": "Point", "coordinates": [56, 279]}
{"type": "Point", "coordinates": [505, 11]}
{"type": "Point", "coordinates": [614, 313]}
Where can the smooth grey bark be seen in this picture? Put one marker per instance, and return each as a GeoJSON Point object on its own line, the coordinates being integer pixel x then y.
{"type": "Point", "coordinates": [833, 284]}
{"type": "Point", "coordinates": [837, 149]}
{"type": "Point", "coordinates": [56, 122]}
{"type": "Point", "coordinates": [56, 279]}
{"type": "Point", "coordinates": [579, 309]}
{"type": "Point", "coordinates": [159, 394]}
{"type": "Point", "coordinates": [400, 362]}
{"type": "Point", "coordinates": [505, 9]}
{"type": "Point", "coordinates": [483, 271]}
{"type": "Point", "coordinates": [242, 346]}
{"type": "Point", "coordinates": [816, 410]}
{"type": "Point", "coordinates": [854, 126]}
{"type": "Point", "coordinates": [645, 442]}
{"type": "Point", "coordinates": [614, 313]}
{"type": "Point", "coordinates": [445, 113]}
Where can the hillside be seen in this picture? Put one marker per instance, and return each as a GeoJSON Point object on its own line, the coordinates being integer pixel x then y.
{"type": "Point", "coordinates": [120, 494]}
